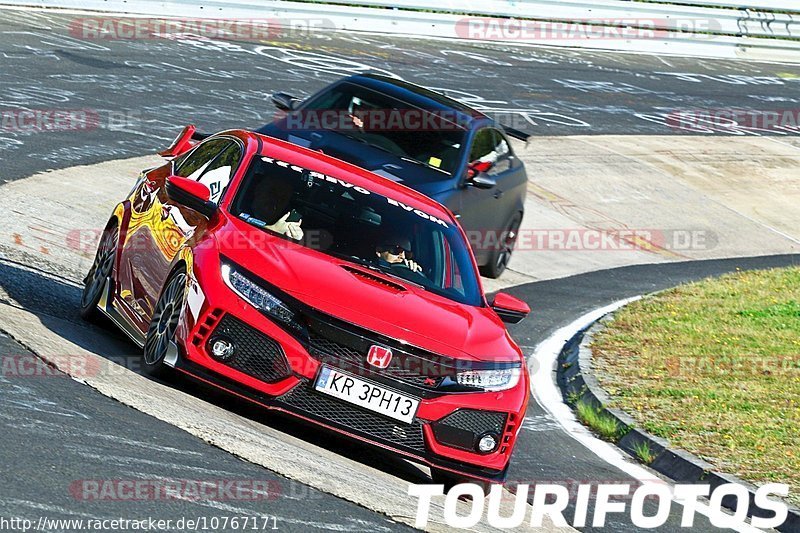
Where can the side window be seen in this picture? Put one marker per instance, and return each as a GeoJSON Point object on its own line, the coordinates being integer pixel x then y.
{"type": "Point", "coordinates": [489, 145]}
{"type": "Point", "coordinates": [482, 146]}
{"type": "Point", "coordinates": [201, 155]}
{"type": "Point", "coordinates": [213, 164]}
{"type": "Point", "coordinates": [503, 150]}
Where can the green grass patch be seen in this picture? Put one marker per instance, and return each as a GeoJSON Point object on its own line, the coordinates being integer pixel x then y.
{"type": "Point", "coordinates": [643, 452]}
{"type": "Point", "coordinates": [573, 397]}
{"type": "Point", "coordinates": [601, 423]}
{"type": "Point", "coordinates": [714, 367]}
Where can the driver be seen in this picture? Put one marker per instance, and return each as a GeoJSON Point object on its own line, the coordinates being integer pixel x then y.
{"type": "Point", "coordinates": [397, 251]}
{"type": "Point", "coordinates": [271, 204]}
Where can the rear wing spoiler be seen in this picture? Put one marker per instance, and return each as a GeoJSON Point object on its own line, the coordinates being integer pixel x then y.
{"type": "Point", "coordinates": [517, 134]}
{"type": "Point", "coordinates": [185, 140]}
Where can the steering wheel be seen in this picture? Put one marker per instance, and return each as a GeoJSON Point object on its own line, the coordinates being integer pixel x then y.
{"type": "Point", "coordinates": [409, 274]}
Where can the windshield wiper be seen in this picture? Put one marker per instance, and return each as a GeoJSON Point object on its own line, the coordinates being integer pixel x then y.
{"type": "Point", "coordinates": [386, 150]}
{"type": "Point", "coordinates": [423, 164]}
{"type": "Point", "coordinates": [364, 141]}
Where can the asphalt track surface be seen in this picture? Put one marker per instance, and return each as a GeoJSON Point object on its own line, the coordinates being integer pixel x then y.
{"type": "Point", "coordinates": [59, 437]}
{"type": "Point", "coordinates": [144, 90]}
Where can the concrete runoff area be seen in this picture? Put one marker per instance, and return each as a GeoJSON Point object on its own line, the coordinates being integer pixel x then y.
{"type": "Point", "coordinates": [694, 197]}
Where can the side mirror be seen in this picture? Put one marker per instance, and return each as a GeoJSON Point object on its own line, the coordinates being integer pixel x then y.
{"type": "Point", "coordinates": [285, 101]}
{"type": "Point", "coordinates": [511, 310]}
{"type": "Point", "coordinates": [191, 194]}
{"type": "Point", "coordinates": [476, 174]}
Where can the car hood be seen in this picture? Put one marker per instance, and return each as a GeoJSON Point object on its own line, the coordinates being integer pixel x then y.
{"type": "Point", "coordinates": [339, 288]}
{"type": "Point", "coordinates": [419, 177]}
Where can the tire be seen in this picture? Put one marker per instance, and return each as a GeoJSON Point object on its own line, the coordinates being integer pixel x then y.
{"type": "Point", "coordinates": [164, 324]}
{"type": "Point", "coordinates": [499, 258]}
{"type": "Point", "coordinates": [101, 269]}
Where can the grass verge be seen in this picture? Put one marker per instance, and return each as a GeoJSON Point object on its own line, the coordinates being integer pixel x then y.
{"type": "Point", "coordinates": [714, 367]}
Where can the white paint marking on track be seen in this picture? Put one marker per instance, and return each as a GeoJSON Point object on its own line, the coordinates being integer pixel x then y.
{"type": "Point", "coordinates": [548, 395]}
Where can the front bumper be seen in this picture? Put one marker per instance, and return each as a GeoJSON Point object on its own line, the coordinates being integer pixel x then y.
{"type": "Point", "coordinates": [414, 448]}
{"type": "Point", "coordinates": [276, 371]}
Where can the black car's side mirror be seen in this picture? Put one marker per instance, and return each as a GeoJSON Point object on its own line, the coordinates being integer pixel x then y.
{"type": "Point", "coordinates": [192, 194]}
{"type": "Point", "coordinates": [285, 101]}
{"type": "Point", "coordinates": [476, 175]}
{"type": "Point", "coordinates": [482, 181]}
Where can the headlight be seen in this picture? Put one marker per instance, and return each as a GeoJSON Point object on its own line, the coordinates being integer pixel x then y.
{"type": "Point", "coordinates": [490, 380]}
{"type": "Point", "coordinates": [257, 296]}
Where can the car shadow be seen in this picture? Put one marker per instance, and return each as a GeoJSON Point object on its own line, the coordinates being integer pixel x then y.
{"type": "Point", "coordinates": [56, 301]}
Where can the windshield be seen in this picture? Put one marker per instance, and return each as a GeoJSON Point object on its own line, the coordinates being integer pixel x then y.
{"type": "Point", "coordinates": [432, 138]}
{"type": "Point", "coordinates": [337, 218]}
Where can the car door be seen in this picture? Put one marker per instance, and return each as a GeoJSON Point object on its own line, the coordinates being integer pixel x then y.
{"type": "Point", "coordinates": [484, 212]}
{"type": "Point", "coordinates": [159, 227]}
{"type": "Point", "coordinates": [512, 182]}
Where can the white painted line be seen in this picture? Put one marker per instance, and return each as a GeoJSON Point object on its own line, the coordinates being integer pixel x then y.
{"type": "Point", "coordinates": [548, 395]}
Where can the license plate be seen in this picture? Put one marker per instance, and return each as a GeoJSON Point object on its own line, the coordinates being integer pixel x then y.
{"type": "Point", "coordinates": [366, 394]}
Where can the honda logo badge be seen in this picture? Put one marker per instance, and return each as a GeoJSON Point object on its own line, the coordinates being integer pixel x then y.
{"type": "Point", "coordinates": [379, 356]}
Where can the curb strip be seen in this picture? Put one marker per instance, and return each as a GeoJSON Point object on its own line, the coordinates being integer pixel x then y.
{"type": "Point", "coordinates": [575, 378]}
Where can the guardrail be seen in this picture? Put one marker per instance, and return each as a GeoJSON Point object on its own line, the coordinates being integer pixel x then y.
{"type": "Point", "coordinates": [480, 6]}
{"type": "Point", "coordinates": [635, 26]}
{"type": "Point", "coordinates": [763, 5]}
{"type": "Point", "coordinates": [659, 16]}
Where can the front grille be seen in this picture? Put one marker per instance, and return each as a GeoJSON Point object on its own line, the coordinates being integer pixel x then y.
{"type": "Point", "coordinates": [463, 428]}
{"type": "Point", "coordinates": [256, 354]}
{"type": "Point", "coordinates": [344, 347]}
{"type": "Point", "coordinates": [304, 398]}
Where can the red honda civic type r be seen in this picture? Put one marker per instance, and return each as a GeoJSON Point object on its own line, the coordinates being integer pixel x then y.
{"type": "Point", "coordinates": [313, 287]}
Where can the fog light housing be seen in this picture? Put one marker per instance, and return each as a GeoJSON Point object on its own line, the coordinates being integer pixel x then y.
{"type": "Point", "coordinates": [222, 348]}
{"type": "Point", "coordinates": [487, 443]}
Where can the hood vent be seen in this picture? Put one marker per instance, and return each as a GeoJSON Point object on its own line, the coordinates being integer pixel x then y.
{"type": "Point", "coordinates": [375, 279]}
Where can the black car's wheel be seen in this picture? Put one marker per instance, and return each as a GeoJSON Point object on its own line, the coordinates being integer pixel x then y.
{"type": "Point", "coordinates": [95, 281]}
{"type": "Point", "coordinates": [500, 256]}
{"type": "Point", "coordinates": [164, 324]}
